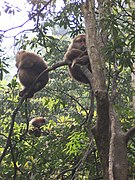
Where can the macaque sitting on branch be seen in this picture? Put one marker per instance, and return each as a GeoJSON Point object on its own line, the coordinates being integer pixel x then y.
{"type": "Point", "coordinates": [77, 54]}
{"type": "Point", "coordinates": [30, 65]}
{"type": "Point", "coordinates": [35, 125]}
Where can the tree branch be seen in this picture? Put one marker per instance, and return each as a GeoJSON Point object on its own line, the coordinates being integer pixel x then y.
{"type": "Point", "coordinates": [11, 129]}
{"type": "Point", "coordinates": [59, 64]}
{"type": "Point", "coordinates": [4, 31]}
{"type": "Point", "coordinates": [77, 166]}
{"type": "Point", "coordinates": [130, 134]}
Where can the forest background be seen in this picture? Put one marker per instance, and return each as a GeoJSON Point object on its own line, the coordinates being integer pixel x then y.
{"type": "Point", "coordinates": [89, 133]}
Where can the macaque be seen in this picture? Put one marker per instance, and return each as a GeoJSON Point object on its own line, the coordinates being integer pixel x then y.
{"type": "Point", "coordinates": [35, 125]}
{"type": "Point", "coordinates": [30, 65]}
{"type": "Point", "coordinates": [77, 54]}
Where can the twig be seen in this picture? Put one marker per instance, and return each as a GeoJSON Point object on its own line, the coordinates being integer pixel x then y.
{"type": "Point", "coordinates": [4, 31]}
{"type": "Point", "coordinates": [78, 165]}
{"type": "Point", "coordinates": [59, 64]}
{"type": "Point", "coordinates": [130, 133]}
{"type": "Point", "coordinates": [27, 120]}
{"type": "Point", "coordinates": [11, 128]}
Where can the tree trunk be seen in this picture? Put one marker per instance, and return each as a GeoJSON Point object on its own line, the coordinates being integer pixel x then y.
{"type": "Point", "coordinates": [110, 140]}
{"type": "Point", "coordinates": [118, 150]}
{"type": "Point", "coordinates": [133, 85]}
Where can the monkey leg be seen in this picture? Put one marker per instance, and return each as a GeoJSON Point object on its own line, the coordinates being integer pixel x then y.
{"type": "Point", "coordinates": [30, 95]}
{"type": "Point", "coordinates": [36, 132]}
{"type": "Point", "coordinates": [77, 74]}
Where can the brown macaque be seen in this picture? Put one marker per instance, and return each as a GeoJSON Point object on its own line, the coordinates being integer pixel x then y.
{"type": "Point", "coordinates": [35, 125]}
{"type": "Point", "coordinates": [77, 54]}
{"type": "Point", "coordinates": [30, 65]}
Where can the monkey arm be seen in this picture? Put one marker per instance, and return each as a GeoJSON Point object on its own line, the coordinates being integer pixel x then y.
{"type": "Point", "coordinates": [72, 54]}
{"type": "Point", "coordinates": [84, 60]}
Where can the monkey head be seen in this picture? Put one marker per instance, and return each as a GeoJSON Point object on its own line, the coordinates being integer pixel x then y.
{"type": "Point", "coordinates": [79, 42]}
{"type": "Point", "coordinates": [18, 57]}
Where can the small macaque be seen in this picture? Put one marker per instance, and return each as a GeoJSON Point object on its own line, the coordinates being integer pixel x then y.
{"type": "Point", "coordinates": [77, 55]}
{"type": "Point", "coordinates": [30, 65]}
{"type": "Point", "coordinates": [35, 124]}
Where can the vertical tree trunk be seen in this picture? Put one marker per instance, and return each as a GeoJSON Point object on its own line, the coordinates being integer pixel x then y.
{"type": "Point", "coordinates": [110, 139]}
{"type": "Point", "coordinates": [101, 130]}
{"type": "Point", "coordinates": [133, 85]}
{"type": "Point", "coordinates": [118, 150]}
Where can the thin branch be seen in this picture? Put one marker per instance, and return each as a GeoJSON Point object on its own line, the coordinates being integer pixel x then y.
{"type": "Point", "coordinates": [91, 111]}
{"type": "Point", "coordinates": [77, 166]}
{"type": "Point", "coordinates": [4, 31]}
{"type": "Point", "coordinates": [16, 168]}
{"type": "Point", "coordinates": [88, 74]}
{"type": "Point", "coordinates": [59, 64]}
{"type": "Point", "coordinates": [71, 97]}
{"type": "Point", "coordinates": [130, 133]}
{"type": "Point", "coordinates": [3, 135]}
{"type": "Point", "coordinates": [11, 129]}
{"type": "Point", "coordinates": [91, 114]}
{"type": "Point", "coordinates": [27, 120]}
{"type": "Point", "coordinates": [20, 32]}
{"type": "Point", "coordinates": [16, 27]}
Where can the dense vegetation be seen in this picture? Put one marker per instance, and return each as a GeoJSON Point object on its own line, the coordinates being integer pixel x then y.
{"type": "Point", "coordinates": [66, 149]}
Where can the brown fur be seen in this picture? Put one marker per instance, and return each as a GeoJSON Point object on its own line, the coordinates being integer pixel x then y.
{"type": "Point", "coordinates": [29, 66]}
{"type": "Point", "coordinates": [35, 125]}
{"type": "Point", "coordinates": [37, 122]}
{"type": "Point", "coordinates": [77, 54]}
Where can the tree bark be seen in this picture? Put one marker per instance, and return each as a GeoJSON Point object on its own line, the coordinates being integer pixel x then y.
{"type": "Point", "coordinates": [101, 130]}
{"type": "Point", "coordinates": [110, 139]}
{"type": "Point", "coordinates": [133, 85]}
{"type": "Point", "coordinates": [118, 150]}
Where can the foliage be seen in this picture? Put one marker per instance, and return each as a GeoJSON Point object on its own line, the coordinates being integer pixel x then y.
{"type": "Point", "coordinates": [3, 66]}
{"type": "Point", "coordinates": [63, 102]}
